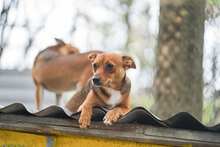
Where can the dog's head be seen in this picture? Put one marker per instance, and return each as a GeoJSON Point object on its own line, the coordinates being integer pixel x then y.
{"type": "Point", "coordinates": [66, 49]}
{"type": "Point", "coordinates": [109, 68]}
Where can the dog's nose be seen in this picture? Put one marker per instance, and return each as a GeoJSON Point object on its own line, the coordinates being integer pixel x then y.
{"type": "Point", "coordinates": [96, 80]}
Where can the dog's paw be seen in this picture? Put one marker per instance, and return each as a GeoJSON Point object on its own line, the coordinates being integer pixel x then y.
{"type": "Point", "coordinates": [84, 120]}
{"type": "Point", "coordinates": [112, 116]}
{"type": "Point", "coordinates": [107, 122]}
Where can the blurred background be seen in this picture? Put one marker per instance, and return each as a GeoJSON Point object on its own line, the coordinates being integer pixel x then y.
{"type": "Point", "coordinates": [175, 45]}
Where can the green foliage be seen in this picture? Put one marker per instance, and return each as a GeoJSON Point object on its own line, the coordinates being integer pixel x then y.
{"type": "Point", "coordinates": [212, 2]}
{"type": "Point", "coordinates": [143, 100]}
{"type": "Point", "coordinates": [207, 111]}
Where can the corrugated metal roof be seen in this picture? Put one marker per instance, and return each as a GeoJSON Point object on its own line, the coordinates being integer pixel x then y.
{"type": "Point", "coordinates": [138, 115]}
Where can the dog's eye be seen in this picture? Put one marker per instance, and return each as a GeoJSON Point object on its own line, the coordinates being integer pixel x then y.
{"type": "Point", "coordinates": [71, 52]}
{"type": "Point", "coordinates": [94, 66]}
{"type": "Point", "coordinates": [109, 66]}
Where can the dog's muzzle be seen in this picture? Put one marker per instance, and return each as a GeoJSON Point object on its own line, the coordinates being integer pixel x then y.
{"type": "Point", "coordinates": [96, 81]}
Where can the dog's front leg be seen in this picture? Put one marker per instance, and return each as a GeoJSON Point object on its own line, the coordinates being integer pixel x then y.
{"type": "Point", "coordinates": [86, 108]}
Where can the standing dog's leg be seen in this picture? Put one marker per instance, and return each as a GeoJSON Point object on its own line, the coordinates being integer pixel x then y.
{"type": "Point", "coordinates": [39, 95]}
{"type": "Point", "coordinates": [58, 98]}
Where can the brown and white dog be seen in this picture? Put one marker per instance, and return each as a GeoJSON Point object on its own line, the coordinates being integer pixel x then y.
{"type": "Point", "coordinates": [109, 78]}
{"type": "Point", "coordinates": [60, 68]}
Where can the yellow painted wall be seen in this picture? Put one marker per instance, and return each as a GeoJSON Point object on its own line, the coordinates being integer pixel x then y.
{"type": "Point", "coordinates": [20, 139]}
{"type": "Point", "coordinates": [80, 141]}
{"type": "Point", "coordinates": [15, 139]}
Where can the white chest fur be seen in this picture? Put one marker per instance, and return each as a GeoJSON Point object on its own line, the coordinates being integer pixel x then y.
{"type": "Point", "coordinates": [115, 98]}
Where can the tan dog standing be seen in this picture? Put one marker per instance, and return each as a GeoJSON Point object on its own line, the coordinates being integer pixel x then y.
{"type": "Point", "coordinates": [60, 68]}
{"type": "Point", "coordinates": [109, 78]}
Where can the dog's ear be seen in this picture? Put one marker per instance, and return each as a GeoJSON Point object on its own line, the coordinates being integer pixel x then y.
{"type": "Point", "coordinates": [59, 41]}
{"type": "Point", "coordinates": [92, 56]}
{"type": "Point", "coordinates": [128, 62]}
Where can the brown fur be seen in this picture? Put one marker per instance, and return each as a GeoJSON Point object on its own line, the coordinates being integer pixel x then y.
{"type": "Point", "coordinates": [58, 71]}
{"type": "Point", "coordinates": [92, 94]}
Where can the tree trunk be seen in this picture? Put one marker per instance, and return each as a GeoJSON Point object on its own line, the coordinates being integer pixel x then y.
{"type": "Point", "coordinates": [179, 84]}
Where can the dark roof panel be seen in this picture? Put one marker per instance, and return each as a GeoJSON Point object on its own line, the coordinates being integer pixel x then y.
{"type": "Point", "coordinates": [16, 108]}
{"type": "Point", "coordinates": [138, 115]}
{"type": "Point", "coordinates": [52, 111]}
